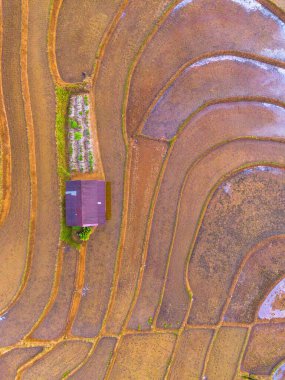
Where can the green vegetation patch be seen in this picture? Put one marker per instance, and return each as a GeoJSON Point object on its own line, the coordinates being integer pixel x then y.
{"type": "Point", "coordinates": [78, 136]}
{"type": "Point", "coordinates": [62, 100]}
{"type": "Point", "coordinates": [85, 233]}
{"type": "Point", "coordinates": [73, 123]}
{"type": "Point", "coordinates": [66, 373]}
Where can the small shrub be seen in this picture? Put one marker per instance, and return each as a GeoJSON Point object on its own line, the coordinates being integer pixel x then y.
{"type": "Point", "coordinates": [80, 113]}
{"type": "Point", "coordinates": [86, 100]}
{"type": "Point", "coordinates": [73, 124]}
{"type": "Point", "coordinates": [149, 321]}
{"type": "Point", "coordinates": [78, 136]}
{"type": "Point", "coordinates": [85, 233]}
{"type": "Point", "coordinates": [66, 374]}
{"type": "Point", "coordinates": [139, 327]}
{"type": "Point", "coordinates": [80, 158]}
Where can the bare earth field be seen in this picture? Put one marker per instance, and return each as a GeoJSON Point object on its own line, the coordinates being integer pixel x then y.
{"type": "Point", "coordinates": [186, 281]}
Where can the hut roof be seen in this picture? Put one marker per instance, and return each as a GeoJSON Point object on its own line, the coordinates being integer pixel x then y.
{"type": "Point", "coordinates": [85, 203]}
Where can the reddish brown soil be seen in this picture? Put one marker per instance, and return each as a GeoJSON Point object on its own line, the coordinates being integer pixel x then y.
{"type": "Point", "coordinates": [263, 268]}
{"type": "Point", "coordinates": [188, 33]}
{"type": "Point", "coordinates": [266, 349]}
{"type": "Point", "coordinates": [189, 359]}
{"type": "Point", "coordinates": [80, 27]}
{"type": "Point", "coordinates": [98, 362]}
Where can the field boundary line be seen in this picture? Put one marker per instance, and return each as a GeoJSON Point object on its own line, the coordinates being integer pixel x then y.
{"type": "Point", "coordinates": [78, 288]}
{"type": "Point", "coordinates": [245, 344]}
{"type": "Point", "coordinates": [85, 360]}
{"type": "Point", "coordinates": [55, 6]}
{"type": "Point", "coordinates": [54, 293]}
{"type": "Point", "coordinates": [33, 360]}
{"type": "Point", "coordinates": [5, 143]}
{"type": "Point", "coordinates": [110, 29]}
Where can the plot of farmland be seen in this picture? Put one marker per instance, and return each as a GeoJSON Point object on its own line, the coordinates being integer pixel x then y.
{"type": "Point", "coordinates": [180, 106]}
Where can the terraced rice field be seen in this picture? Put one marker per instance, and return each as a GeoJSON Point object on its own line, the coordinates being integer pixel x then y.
{"type": "Point", "coordinates": [186, 106]}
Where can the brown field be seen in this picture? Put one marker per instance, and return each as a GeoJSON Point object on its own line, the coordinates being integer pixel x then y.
{"type": "Point", "coordinates": [54, 320]}
{"type": "Point", "coordinates": [12, 360]}
{"type": "Point", "coordinates": [57, 362]}
{"type": "Point", "coordinates": [14, 252]}
{"type": "Point", "coordinates": [233, 77]}
{"type": "Point", "coordinates": [219, 123]}
{"type": "Point", "coordinates": [225, 353]}
{"type": "Point", "coordinates": [213, 274]}
{"type": "Point", "coordinates": [80, 28]}
{"type": "Point", "coordinates": [142, 357]}
{"type": "Point", "coordinates": [98, 361]}
{"type": "Point", "coordinates": [147, 157]}
{"type": "Point", "coordinates": [165, 55]}
{"type": "Point", "coordinates": [265, 349]}
{"type": "Point", "coordinates": [188, 114]}
{"type": "Point", "coordinates": [262, 269]}
{"type": "Point", "coordinates": [189, 359]}
{"type": "Point", "coordinates": [218, 286]}
{"type": "Point", "coordinates": [42, 267]}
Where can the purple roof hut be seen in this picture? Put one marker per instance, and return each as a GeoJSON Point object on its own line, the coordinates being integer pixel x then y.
{"type": "Point", "coordinates": [85, 203]}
